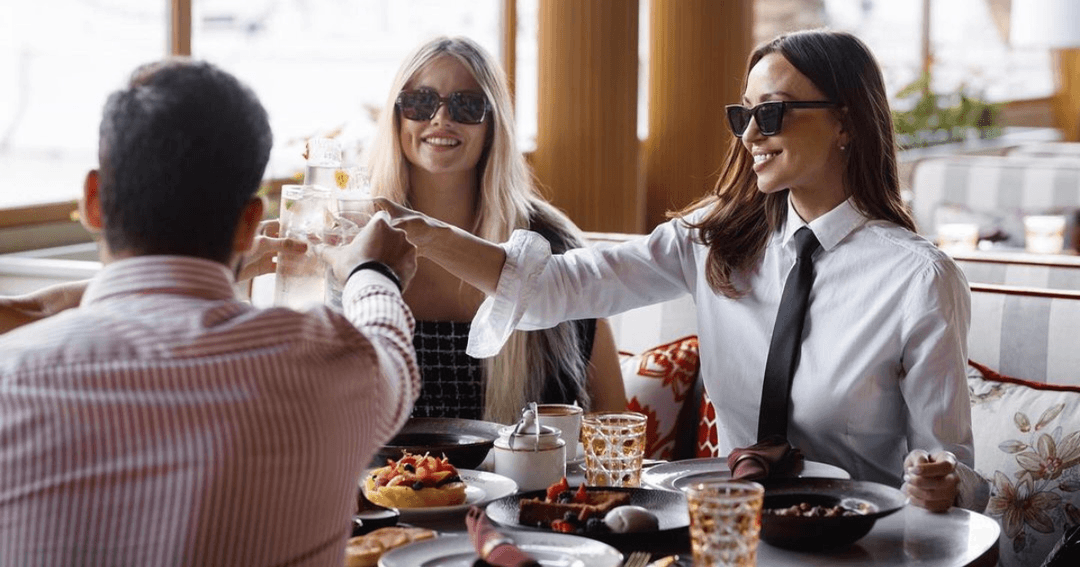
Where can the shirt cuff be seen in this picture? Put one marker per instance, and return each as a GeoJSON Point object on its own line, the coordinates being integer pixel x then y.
{"type": "Point", "coordinates": [974, 490]}
{"type": "Point", "coordinates": [527, 254]}
{"type": "Point", "coordinates": [361, 278]}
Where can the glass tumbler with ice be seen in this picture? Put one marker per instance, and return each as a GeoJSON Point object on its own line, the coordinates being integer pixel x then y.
{"type": "Point", "coordinates": [308, 213]}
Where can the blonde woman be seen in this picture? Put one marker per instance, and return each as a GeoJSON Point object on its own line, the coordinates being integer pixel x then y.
{"type": "Point", "coordinates": [446, 147]}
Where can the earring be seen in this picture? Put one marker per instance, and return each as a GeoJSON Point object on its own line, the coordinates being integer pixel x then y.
{"type": "Point", "coordinates": [843, 148]}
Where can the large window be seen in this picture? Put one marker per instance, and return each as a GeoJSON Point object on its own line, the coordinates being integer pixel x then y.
{"type": "Point", "coordinates": [968, 42]}
{"type": "Point", "coordinates": [59, 59]}
{"type": "Point", "coordinates": [323, 67]}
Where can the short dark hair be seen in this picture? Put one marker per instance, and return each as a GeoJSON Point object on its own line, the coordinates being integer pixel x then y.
{"type": "Point", "coordinates": [182, 150]}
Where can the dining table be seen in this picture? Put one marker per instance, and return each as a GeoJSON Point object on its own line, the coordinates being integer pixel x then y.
{"type": "Point", "coordinates": [911, 537]}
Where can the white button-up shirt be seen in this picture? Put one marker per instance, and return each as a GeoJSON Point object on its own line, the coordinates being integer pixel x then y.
{"type": "Point", "coordinates": [163, 422]}
{"type": "Point", "coordinates": [884, 350]}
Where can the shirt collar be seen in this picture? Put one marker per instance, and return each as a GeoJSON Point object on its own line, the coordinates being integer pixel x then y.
{"type": "Point", "coordinates": [181, 275]}
{"type": "Point", "coordinates": [830, 228]}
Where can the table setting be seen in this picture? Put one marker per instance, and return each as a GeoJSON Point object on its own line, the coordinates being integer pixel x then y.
{"type": "Point", "coordinates": [611, 507]}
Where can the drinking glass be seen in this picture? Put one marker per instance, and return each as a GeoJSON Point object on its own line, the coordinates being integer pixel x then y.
{"type": "Point", "coordinates": [725, 522]}
{"type": "Point", "coordinates": [958, 237]}
{"type": "Point", "coordinates": [1044, 234]}
{"type": "Point", "coordinates": [306, 211]}
{"type": "Point", "coordinates": [614, 447]}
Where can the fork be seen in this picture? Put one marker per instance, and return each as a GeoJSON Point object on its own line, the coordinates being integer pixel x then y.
{"type": "Point", "coordinates": [638, 559]}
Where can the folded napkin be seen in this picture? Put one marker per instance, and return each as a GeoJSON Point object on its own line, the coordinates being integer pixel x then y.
{"type": "Point", "coordinates": [772, 456]}
{"type": "Point", "coordinates": [494, 548]}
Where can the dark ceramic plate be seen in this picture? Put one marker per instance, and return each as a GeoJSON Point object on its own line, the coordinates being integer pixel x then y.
{"type": "Point", "coordinates": [669, 507]}
{"type": "Point", "coordinates": [817, 533]}
{"type": "Point", "coordinates": [465, 442]}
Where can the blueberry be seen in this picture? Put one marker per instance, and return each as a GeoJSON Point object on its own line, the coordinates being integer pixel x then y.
{"type": "Point", "coordinates": [595, 524]}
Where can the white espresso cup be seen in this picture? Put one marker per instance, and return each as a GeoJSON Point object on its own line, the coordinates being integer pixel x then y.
{"type": "Point", "coordinates": [567, 419]}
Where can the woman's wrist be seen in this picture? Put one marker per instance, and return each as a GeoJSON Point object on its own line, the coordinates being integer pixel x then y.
{"type": "Point", "coordinates": [379, 267]}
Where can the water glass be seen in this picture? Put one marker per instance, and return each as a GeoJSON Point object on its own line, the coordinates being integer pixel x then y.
{"type": "Point", "coordinates": [301, 278]}
{"type": "Point", "coordinates": [725, 522]}
{"type": "Point", "coordinates": [614, 447]}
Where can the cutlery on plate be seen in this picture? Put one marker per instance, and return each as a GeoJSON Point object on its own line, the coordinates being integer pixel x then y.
{"type": "Point", "coordinates": [637, 559]}
{"type": "Point", "coordinates": [668, 561]}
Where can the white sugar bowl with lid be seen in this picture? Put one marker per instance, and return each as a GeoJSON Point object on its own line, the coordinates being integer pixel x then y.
{"type": "Point", "coordinates": [533, 455]}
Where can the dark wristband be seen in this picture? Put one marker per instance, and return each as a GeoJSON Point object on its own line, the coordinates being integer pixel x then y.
{"type": "Point", "coordinates": [378, 267]}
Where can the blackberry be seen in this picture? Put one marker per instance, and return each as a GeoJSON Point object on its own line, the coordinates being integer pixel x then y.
{"type": "Point", "coordinates": [596, 524]}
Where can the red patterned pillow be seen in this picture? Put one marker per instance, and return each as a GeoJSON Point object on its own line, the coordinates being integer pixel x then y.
{"type": "Point", "coordinates": [658, 383]}
{"type": "Point", "coordinates": [708, 444]}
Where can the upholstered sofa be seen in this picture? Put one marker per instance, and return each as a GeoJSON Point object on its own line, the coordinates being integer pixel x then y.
{"type": "Point", "coordinates": [994, 192]}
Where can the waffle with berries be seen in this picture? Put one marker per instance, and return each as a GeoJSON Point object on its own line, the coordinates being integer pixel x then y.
{"type": "Point", "coordinates": [561, 506]}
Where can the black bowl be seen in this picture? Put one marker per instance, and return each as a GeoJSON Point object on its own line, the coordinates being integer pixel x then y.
{"type": "Point", "coordinates": [465, 442]}
{"type": "Point", "coordinates": [818, 533]}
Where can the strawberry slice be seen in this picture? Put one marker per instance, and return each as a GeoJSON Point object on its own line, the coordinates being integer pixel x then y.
{"type": "Point", "coordinates": [580, 496]}
{"type": "Point", "coordinates": [556, 489]}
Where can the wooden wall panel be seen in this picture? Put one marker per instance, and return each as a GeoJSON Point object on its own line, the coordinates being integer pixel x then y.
{"type": "Point", "coordinates": [698, 57]}
{"type": "Point", "coordinates": [586, 143]}
{"type": "Point", "coordinates": [1067, 100]}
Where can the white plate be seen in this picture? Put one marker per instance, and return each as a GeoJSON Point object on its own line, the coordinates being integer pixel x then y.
{"type": "Point", "coordinates": [480, 488]}
{"type": "Point", "coordinates": [549, 549]}
{"type": "Point", "coordinates": [677, 475]}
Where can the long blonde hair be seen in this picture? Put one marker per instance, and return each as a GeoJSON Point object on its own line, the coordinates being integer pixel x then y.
{"type": "Point", "coordinates": [508, 200]}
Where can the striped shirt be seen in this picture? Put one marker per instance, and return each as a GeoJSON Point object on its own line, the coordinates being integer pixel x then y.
{"type": "Point", "coordinates": [163, 422]}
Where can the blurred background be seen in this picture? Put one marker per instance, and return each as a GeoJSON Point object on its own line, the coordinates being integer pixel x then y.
{"type": "Point", "coordinates": [628, 93]}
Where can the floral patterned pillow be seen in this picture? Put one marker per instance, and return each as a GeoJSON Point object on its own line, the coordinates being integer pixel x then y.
{"type": "Point", "coordinates": [1027, 443]}
{"type": "Point", "coordinates": [658, 383]}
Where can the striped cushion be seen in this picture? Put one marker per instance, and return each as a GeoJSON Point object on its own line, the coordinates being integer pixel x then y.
{"type": "Point", "coordinates": [1033, 335]}
{"type": "Point", "coordinates": [1048, 149]}
{"type": "Point", "coordinates": [1022, 270]}
{"type": "Point", "coordinates": [997, 188]}
{"type": "Point", "coordinates": [641, 329]}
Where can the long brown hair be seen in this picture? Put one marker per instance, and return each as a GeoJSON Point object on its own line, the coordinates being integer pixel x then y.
{"type": "Point", "coordinates": [741, 219]}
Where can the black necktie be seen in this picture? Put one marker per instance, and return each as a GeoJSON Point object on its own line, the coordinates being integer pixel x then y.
{"type": "Point", "coordinates": [786, 338]}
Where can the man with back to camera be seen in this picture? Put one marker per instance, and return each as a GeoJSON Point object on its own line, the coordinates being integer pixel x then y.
{"type": "Point", "coordinates": [164, 422]}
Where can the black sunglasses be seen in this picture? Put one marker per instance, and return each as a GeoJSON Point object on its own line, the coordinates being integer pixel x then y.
{"type": "Point", "coordinates": [768, 115]}
{"type": "Point", "coordinates": [464, 106]}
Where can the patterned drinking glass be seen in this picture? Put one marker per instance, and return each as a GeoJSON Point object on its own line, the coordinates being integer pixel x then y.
{"type": "Point", "coordinates": [614, 447]}
{"type": "Point", "coordinates": [725, 522]}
